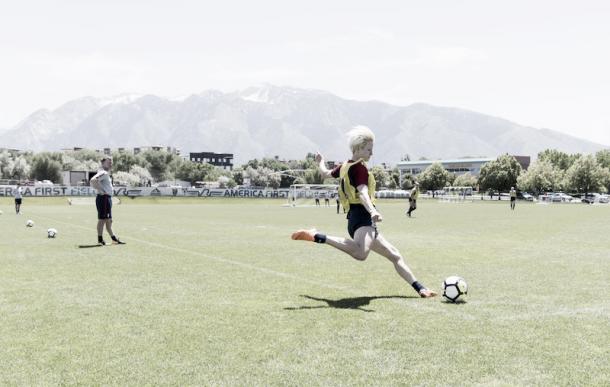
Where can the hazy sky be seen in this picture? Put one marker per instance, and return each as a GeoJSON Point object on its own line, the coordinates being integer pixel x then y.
{"type": "Point", "coordinates": [539, 63]}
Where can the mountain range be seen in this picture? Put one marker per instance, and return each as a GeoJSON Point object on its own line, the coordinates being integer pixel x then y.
{"type": "Point", "coordinates": [269, 120]}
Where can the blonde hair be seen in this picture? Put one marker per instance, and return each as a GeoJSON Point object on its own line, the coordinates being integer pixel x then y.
{"type": "Point", "coordinates": [359, 136]}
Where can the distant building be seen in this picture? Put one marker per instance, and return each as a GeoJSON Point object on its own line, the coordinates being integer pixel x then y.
{"type": "Point", "coordinates": [223, 160]}
{"type": "Point", "coordinates": [108, 151]}
{"type": "Point", "coordinates": [168, 149]}
{"type": "Point", "coordinates": [77, 178]}
{"type": "Point", "coordinates": [456, 166]}
{"type": "Point", "coordinates": [10, 150]}
{"type": "Point", "coordinates": [524, 161]}
{"type": "Point", "coordinates": [73, 149]}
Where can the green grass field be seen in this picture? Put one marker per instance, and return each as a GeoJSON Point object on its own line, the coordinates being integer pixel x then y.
{"type": "Point", "coordinates": [214, 292]}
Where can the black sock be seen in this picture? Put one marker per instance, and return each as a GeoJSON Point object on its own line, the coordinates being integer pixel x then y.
{"type": "Point", "coordinates": [417, 286]}
{"type": "Point", "coordinates": [113, 238]}
{"type": "Point", "coordinates": [319, 238]}
{"type": "Point", "coordinates": [100, 238]}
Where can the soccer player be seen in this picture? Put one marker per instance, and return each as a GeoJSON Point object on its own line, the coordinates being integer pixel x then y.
{"type": "Point", "coordinates": [413, 199]}
{"type": "Point", "coordinates": [18, 199]}
{"type": "Point", "coordinates": [103, 201]}
{"type": "Point", "coordinates": [357, 193]}
{"type": "Point", "coordinates": [513, 198]}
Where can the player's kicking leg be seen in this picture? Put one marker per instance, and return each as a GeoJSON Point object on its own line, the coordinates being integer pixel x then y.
{"type": "Point", "coordinates": [359, 248]}
{"type": "Point", "coordinates": [384, 248]}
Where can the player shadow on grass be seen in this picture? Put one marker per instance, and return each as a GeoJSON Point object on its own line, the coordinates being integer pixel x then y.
{"type": "Point", "coordinates": [355, 303]}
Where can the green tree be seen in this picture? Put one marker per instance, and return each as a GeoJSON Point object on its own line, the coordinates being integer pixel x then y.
{"type": "Point", "coordinates": [69, 163]}
{"type": "Point", "coordinates": [606, 179]}
{"type": "Point", "coordinates": [585, 175]}
{"type": "Point", "coordinates": [558, 159]}
{"type": "Point", "coordinates": [603, 158]}
{"type": "Point", "coordinates": [193, 172]}
{"type": "Point", "coordinates": [308, 163]}
{"type": "Point", "coordinates": [394, 178]}
{"type": "Point", "coordinates": [238, 176]}
{"type": "Point", "coordinates": [273, 179]}
{"type": "Point", "coordinates": [45, 167]}
{"type": "Point", "coordinates": [451, 178]}
{"type": "Point", "coordinates": [500, 174]}
{"type": "Point", "coordinates": [434, 177]}
{"type": "Point", "coordinates": [283, 168]}
{"type": "Point", "coordinates": [262, 177]}
{"type": "Point", "coordinates": [300, 180]}
{"type": "Point", "coordinates": [5, 162]}
{"type": "Point", "coordinates": [159, 163]}
{"type": "Point", "coordinates": [408, 181]}
{"type": "Point", "coordinates": [382, 177]}
{"type": "Point", "coordinates": [142, 175]}
{"type": "Point", "coordinates": [87, 155]}
{"type": "Point", "coordinates": [251, 164]}
{"type": "Point", "coordinates": [125, 178]}
{"type": "Point", "coordinates": [19, 168]}
{"type": "Point", "coordinates": [123, 161]}
{"type": "Point", "coordinates": [223, 181]}
{"type": "Point", "coordinates": [314, 176]}
{"type": "Point", "coordinates": [465, 180]}
{"type": "Point", "coordinates": [542, 176]}
{"type": "Point", "coordinates": [286, 180]}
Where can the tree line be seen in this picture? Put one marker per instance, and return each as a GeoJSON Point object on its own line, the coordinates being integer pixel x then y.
{"type": "Point", "coordinates": [552, 171]}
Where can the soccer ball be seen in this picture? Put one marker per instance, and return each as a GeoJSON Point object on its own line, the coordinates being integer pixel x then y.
{"type": "Point", "coordinates": [455, 289]}
{"type": "Point", "coordinates": [29, 223]}
{"type": "Point", "coordinates": [1, 212]}
{"type": "Point", "coordinates": [51, 233]}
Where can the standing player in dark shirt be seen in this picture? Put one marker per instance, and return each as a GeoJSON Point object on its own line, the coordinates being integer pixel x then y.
{"type": "Point", "coordinates": [357, 194]}
{"type": "Point", "coordinates": [413, 199]}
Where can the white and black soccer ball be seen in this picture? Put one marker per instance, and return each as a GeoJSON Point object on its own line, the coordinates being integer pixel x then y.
{"type": "Point", "coordinates": [51, 233]}
{"type": "Point", "coordinates": [455, 289]}
{"type": "Point", "coordinates": [29, 223]}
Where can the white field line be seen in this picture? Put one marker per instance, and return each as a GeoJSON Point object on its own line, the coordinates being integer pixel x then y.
{"type": "Point", "coordinates": [355, 292]}
{"type": "Point", "coordinates": [423, 305]}
{"type": "Point", "coordinates": [214, 258]}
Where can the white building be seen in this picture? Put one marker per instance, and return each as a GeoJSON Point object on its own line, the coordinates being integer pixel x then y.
{"type": "Point", "coordinates": [455, 166]}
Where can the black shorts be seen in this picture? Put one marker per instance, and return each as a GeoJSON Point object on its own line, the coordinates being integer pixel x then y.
{"type": "Point", "coordinates": [412, 203]}
{"type": "Point", "coordinates": [103, 203]}
{"type": "Point", "coordinates": [357, 217]}
{"type": "Point", "coordinates": [512, 199]}
{"type": "Point", "coordinates": [18, 201]}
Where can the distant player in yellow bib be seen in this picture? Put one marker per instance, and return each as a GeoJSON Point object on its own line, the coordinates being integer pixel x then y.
{"type": "Point", "coordinates": [357, 196]}
{"type": "Point", "coordinates": [513, 198]}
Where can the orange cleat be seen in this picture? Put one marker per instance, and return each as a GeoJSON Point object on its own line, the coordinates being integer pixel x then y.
{"type": "Point", "coordinates": [427, 293]}
{"type": "Point", "coordinates": [304, 235]}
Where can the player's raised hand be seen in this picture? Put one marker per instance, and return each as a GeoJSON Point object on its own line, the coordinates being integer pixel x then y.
{"type": "Point", "coordinates": [319, 158]}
